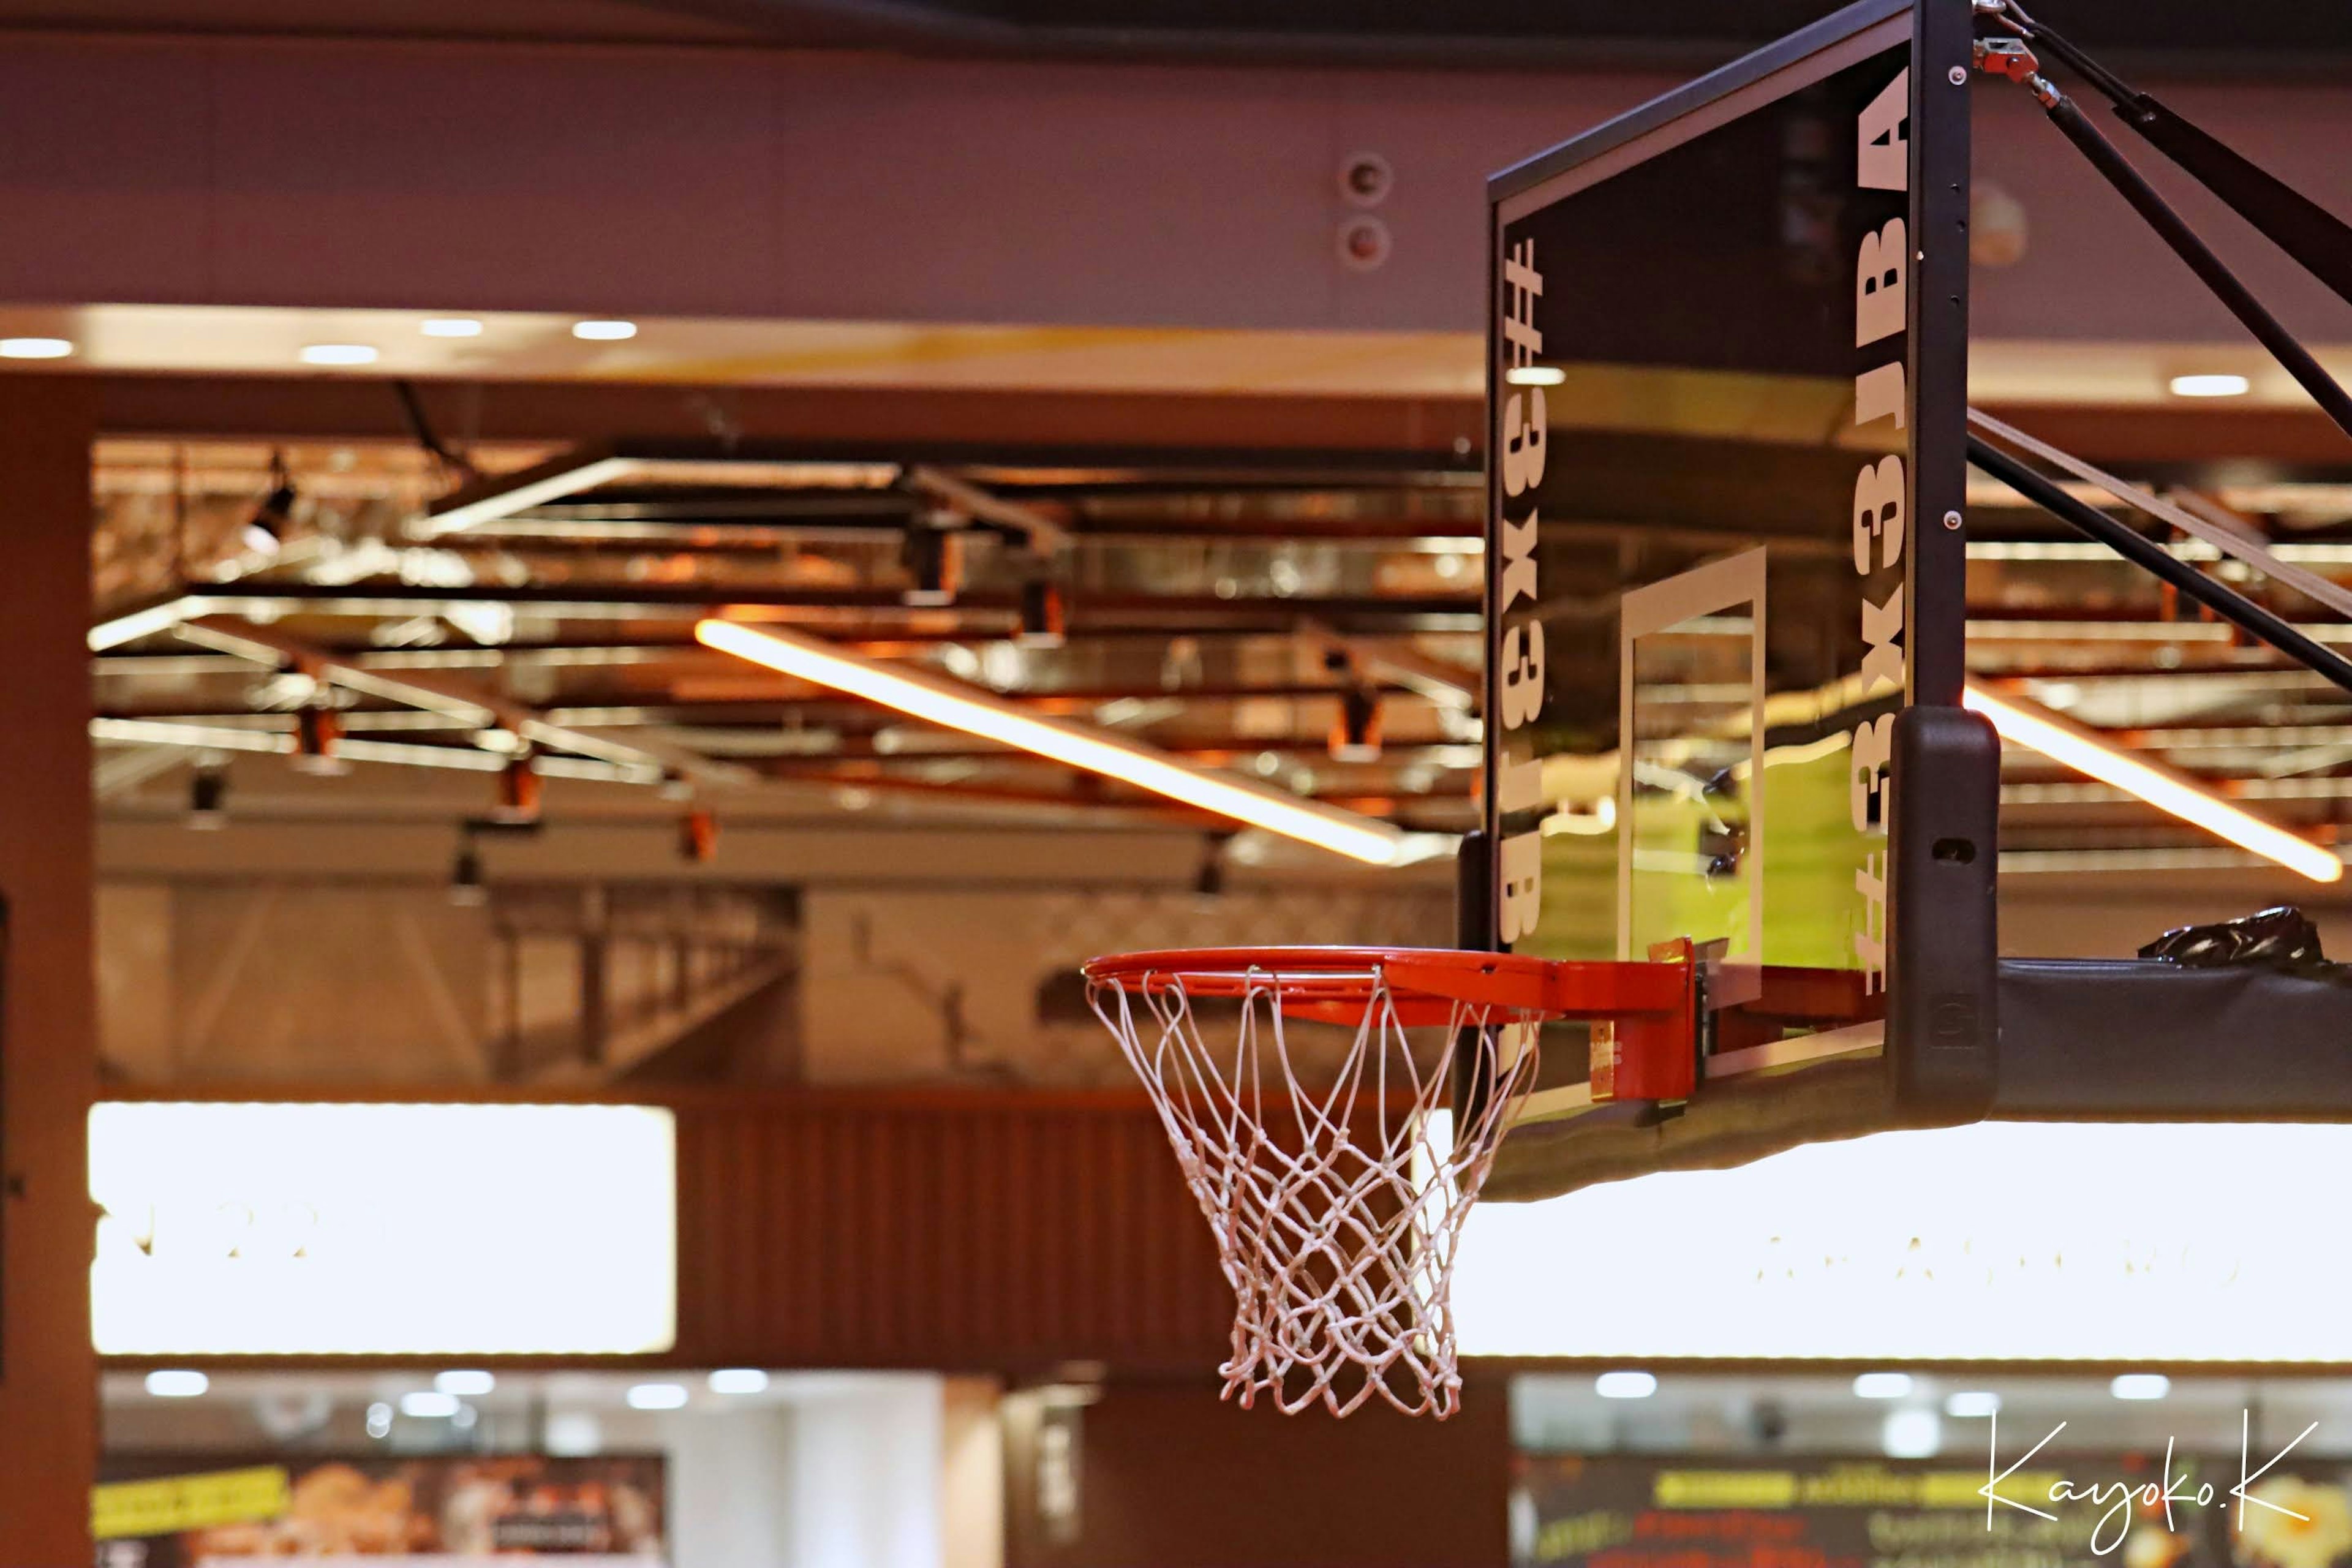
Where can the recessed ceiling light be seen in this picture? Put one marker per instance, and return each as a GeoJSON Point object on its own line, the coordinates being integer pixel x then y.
{"type": "Point", "coordinates": [1534, 375]}
{"type": "Point", "coordinates": [451, 327]}
{"type": "Point", "coordinates": [338, 353]}
{"type": "Point", "coordinates": [428, 1405]}
{"type": "Point", "coordinates": [1911, 1435]}
{"type": "Point", "coordinates": [2209, 385]}
{"type": "Point", "coordinates": [171, 1383]}
{"type": "Point", "coordinates": [1625, 1385]}
{"type": "Point", "coordinates": [574, 1433]}
{"type": "Point", "coordinates": [738, 1380]}
{"type": "Point", "coordinates": [657, 1396]}
{"type": "Point", "coordinates": [1882, 1385]}
{"type": "Point", "coordinates": [471, 1384]}
{"type": "Point", "coordinates": [603, 331]}
{"type": "Point", "coordinates": [1971, 1403]}
{"type": "Point", "coordinates": [2141, 1386]}
{"type": "Point", "coordinates": [35, 348]}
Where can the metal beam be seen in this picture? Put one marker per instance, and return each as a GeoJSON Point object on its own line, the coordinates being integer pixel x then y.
{"type": "Point", "coordinates": [1448, 685]}
{"type": "Point", "coordinates": [1171, 612]}
{"type": "Point", "coordinates": [460, 699]}
{"type": "Point", "coordinates": [2232, 541]}
{"type": "Point", "coordinates": [1044, 535]}
{"type": "Point", "coordinates": [2222, 600]}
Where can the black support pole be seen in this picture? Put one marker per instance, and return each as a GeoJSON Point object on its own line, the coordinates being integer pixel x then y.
{"type": "Point", "coordinates": [2294, 223]}
{"type": "Point", "coordinates": [2209, 268]}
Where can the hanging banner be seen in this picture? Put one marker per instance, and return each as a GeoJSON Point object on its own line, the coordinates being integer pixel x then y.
{"type": "Point", "coordinates": [428, 1512]}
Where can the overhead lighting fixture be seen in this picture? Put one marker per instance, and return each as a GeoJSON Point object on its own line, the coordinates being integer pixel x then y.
{"type": "Point", "coordinates": [1625, 1384]}
{"type": "Point", "coordinates": [466, 889]}
{"type": "Point", "coordinates": [208, 798]}
{"type": "Point", "coordinates": [1534, 375]}
{"type": "Point", "coordinates": [338, 353]}
{"type": "Point", "coordinates": [739, 1380]}
{"type": "Point", "coordinates": [35, 348]}
{"type": "Point", "coordinates": [574, 1434]}
{"type": "Point", "coordinates": [2209, 385]}
{"type": "Point", "coordinates": [1911, 1435]}
{"type": "Point", "coordinates": [265, 530]}
{"type": "Point", "coordinates": [603, 331]}
{"type": "Point", "coordinates": [939, 701]}
{"type": "Point", "coordinates": [450, 327]}
{"type": "Point", "coordinates": [1044, 619]}
{"type": "Point", "coordinates": [518, 792]}
{"type": "Point", "coordinates": [428, 1405]}
{"type": "Point", "coordinates": [1356, 731]}
{"type": "Point", "coordinates": [1209, 882]}
{"type": "Point", "coordinates": [2066, 742]}
{"type": "Point", "coordinates": [172, 1383]}
{"type": "Point", "coordinates": [934, 561]}
{"type": "Point", "coordinates": [317, 732]}
{"type": "Point", "coordinates": [1356, 728]}
{"type": "Point", "coordinates": [1974, 1403]}
{"type": "Point", "coordinates": [657, 1396]}
{"type": "Point", "coordinates": [2140, 1386]}
{"type": "Point", "coordinates": [466, 1383]}
{"type": "Point", "coordinates": [1882, 1385]}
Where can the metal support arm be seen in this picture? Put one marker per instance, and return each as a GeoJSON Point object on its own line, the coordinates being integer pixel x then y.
{"type": "Point", "coordinates": [2218, 598]}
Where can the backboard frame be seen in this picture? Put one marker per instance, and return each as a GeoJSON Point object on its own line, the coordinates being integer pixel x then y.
{"type": "Point", "coordinates": [1935, 1062]}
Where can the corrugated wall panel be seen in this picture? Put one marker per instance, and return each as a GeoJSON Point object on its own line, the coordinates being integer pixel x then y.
{"type": "Point", "coordinates": [965, 1230]}
{"type": "Point", "coordinates": [956, 1230]}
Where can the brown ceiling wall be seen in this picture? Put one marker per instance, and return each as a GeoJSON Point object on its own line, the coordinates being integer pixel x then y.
{"type": "Point", "coordinates": [264, 408]}
{"type": "Point", "coordinates": [964, 1230]}
{"type": "Point", "coordinates": [571, 21]}
{"type": "Point", "coordinates": [1170, 1476]}
{"type": "Point", "coordinates": [310, 407]}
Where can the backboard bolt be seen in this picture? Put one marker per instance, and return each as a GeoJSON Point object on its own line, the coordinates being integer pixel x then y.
{"type": "Point", "coordinates": [1952, 519]}
{"type": "Point", "coordinates": [1958, 76]}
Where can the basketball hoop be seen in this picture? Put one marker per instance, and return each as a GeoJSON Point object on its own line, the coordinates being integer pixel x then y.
{"type": "Point", "coordinates": [1337, 1196]}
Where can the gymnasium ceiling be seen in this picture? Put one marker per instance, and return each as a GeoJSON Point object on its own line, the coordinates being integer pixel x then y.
{"type": "Point", "coordinates": [1221, 604]}
{"type": "Point", "coordinates": [2171, 34]}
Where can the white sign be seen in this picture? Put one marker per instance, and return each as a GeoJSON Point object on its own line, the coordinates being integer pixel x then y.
{"type": "Point", "coordinates": [2134, 1243]}
{"type": "Point", "coordinates": [286, 1229]}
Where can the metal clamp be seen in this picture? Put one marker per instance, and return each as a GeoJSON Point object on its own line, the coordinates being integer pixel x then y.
{"type": "Point", "coordinates": [2007, 58]}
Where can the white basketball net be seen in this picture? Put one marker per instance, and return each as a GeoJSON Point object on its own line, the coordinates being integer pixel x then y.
{"type": "Point", "coordinates": [1337, 1210]}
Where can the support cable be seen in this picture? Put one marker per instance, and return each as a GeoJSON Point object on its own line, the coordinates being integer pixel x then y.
{"type": "Point", "coordinates": [2320, 242]}
{"type": "Point", "coordinates": [2010, 59]}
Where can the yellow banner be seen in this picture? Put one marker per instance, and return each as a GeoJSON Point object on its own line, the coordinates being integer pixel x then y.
{"type": "Point", "coordinates": [1726, 1488]}
{"type": "Point", "coordinates": [174, 1503]}
{"type": "Point", "coordinates": [1840, 1485]}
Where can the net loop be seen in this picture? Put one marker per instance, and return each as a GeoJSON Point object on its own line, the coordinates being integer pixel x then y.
{"type": "Point", "coordinates": [1335, 1184]}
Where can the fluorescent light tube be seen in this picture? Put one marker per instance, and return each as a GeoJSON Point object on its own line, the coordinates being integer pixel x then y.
{"type": "Point", "coordinates": [2028, 724]}
{"type": "Point", "coordinates": [939, 701]}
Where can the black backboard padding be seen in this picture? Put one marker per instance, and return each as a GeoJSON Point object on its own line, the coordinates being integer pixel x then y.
{"type": "Point", "coordinates": [2143, 1040]}
{"type": "Point", "coordinates": [2082, 1039]}
{"type": "Point", "coordinates": [1733, 1123]}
